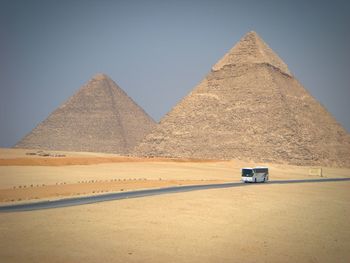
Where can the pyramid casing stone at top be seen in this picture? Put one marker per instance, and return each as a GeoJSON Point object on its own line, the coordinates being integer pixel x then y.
{"type": "Point", "coordinates": [250, 107]}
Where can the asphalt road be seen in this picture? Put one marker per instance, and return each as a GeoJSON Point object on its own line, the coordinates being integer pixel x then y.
{"type": "Point", "coordinates": [141, 193]}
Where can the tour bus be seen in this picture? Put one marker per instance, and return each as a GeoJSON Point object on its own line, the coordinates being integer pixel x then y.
{"type": "Point", "coordinates": [254, 175]}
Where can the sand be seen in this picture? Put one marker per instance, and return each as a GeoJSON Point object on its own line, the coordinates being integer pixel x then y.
{"type": "Point", "coordinates": [258, 223]}
{"type": "Point", "coordinates": [35, 177]}
{"type": "Point", "coordinates": [26, 177]}
{"type": "Point", "coordinates": [262, 223]}
{"type": "Point", "coordinates": [48, 192]}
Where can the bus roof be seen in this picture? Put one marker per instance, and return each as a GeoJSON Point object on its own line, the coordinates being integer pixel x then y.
{"type": "Point", "coordinates": [259, 167]}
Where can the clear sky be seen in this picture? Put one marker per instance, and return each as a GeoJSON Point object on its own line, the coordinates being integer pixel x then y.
{"type": "Point", "coordinates": [158, 51]}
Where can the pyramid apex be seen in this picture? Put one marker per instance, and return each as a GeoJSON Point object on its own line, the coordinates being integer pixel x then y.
{"type": "Point", "coordinates": [251, 49]}
{"type": "Point", "coordinates": [254, 36]}
{"type": "Point", "coordinates": [252, 32]}
{"type": "Point", "coordinates": [100, 76]}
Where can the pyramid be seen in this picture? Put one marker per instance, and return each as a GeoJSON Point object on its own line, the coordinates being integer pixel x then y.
{"type": "Point", "coordinates": [250, 107]}
{"type": "Point", "coordinates": [100, 117]}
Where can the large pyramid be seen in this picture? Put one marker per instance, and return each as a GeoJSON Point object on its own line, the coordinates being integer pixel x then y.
{"type": "Point", "coordinates": [250, 107]}
{"type": "Point", "coordinates": [100, 117]}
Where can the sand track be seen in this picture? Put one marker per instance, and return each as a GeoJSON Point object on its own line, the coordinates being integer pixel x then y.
{"type": "Point", "coordinates": [35, 192]}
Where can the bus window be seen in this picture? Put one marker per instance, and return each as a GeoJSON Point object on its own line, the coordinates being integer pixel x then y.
{"type": "Point", "coordinates": [247, 172]}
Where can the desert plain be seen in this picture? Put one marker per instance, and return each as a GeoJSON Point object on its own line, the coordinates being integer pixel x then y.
{"type": "Point", "coordinates": [304, 222]}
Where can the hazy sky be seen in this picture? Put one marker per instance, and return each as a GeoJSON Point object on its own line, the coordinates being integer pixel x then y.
{"type": "Point", "coordinates": [158, 51]}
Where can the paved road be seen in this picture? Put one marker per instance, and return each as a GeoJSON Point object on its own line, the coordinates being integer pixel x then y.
{"type": "Point", "coordinates": [141, 193]}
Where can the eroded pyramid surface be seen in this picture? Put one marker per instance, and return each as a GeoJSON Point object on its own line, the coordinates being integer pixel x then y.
{"type": "Point", "coordinates": [100, 117]}
{"type": "Point", "coordinates": [251, 107]}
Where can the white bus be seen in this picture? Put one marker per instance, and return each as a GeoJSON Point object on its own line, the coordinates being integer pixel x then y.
{"type": "Point", "coordinates": [254, 175]}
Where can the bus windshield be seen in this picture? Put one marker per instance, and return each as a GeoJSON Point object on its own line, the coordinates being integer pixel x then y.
{"type": "Point", "coordinates": [247, 172]}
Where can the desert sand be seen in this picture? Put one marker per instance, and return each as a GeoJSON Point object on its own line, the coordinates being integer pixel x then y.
{"type": "Point", "coordinates": [31, 177]}
{"type": "Point", "coordinates": [262, 223]}
{"type": "Point", "coordinates": [258, 223]}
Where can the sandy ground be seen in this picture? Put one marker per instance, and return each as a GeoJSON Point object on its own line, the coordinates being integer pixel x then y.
{"type": "Point", "coordinates": [35, 177]}
{"type": "Point", "coordinates": [25, 157]}
{"type": "Point", "coordinates": [260, 223]}
{"type": "Point", "coordinates": [26, 176]}
{"type": "Point", "coordinates": [49, 192]}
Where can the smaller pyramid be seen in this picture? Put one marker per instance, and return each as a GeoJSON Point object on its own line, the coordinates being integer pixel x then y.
{"type": "Point", "coordinates": [100, 117]}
